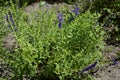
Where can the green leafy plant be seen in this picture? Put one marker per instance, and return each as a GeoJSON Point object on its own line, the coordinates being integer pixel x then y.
{"type": "Point", "coordinates": [110, 11]}
{"type": "Point", "coordinates": [49, 51]}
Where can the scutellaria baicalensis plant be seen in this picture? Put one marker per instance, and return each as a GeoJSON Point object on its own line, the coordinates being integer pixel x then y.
{"type": "Point", "coordinates": [50, 51]}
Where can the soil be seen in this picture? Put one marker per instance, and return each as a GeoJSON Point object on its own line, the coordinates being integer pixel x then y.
{"type": "Point", "coordinates": [105, 72]}
{"type": "Point", "coordinates": [109, 71]}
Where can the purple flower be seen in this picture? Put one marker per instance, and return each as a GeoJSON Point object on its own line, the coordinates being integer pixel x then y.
{"type": "Point", "coordinates": [60, 17]}
{"type": "Point", "coordinates": [60, 25]}
{"type": "Point", "coordinates": [60, 20]}
{"type": "Point", "coordinates": [114, 62]}
{"type": "Point", "coordinates": [9, 19]}
{"type": "Point", "coordinates": [90, 67]}
{"type": "Point", "coordinates": [76, 11]}
{"type": "Point", "coordinates": [6, 17]}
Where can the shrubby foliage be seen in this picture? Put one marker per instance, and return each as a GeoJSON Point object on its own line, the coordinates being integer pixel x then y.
{"type": "Point", "coordinates": [49, 52]}
{"type": "Point", "coordinates": [110, 16]}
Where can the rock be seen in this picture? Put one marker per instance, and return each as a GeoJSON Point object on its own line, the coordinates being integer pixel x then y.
{"type": "Point", "coordinates": [9, 42]}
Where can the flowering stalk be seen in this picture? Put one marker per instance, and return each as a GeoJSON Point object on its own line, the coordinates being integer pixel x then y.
{"type": "Point", "coordinates": [9, 19]}
{"type": "Point", "coordinates": [60, 20]}
{"type": "Point", "coordinates": [90, 67]}
{"type": "Point", "coordinates": [76, 12]}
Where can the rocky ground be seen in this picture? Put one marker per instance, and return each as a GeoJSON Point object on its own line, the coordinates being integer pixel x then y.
{"type": "Point", "coordinates": [105, 72]}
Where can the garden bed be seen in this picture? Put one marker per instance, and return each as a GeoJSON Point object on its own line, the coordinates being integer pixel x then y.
{"type": "Point", "coordinates": [110, 70]}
